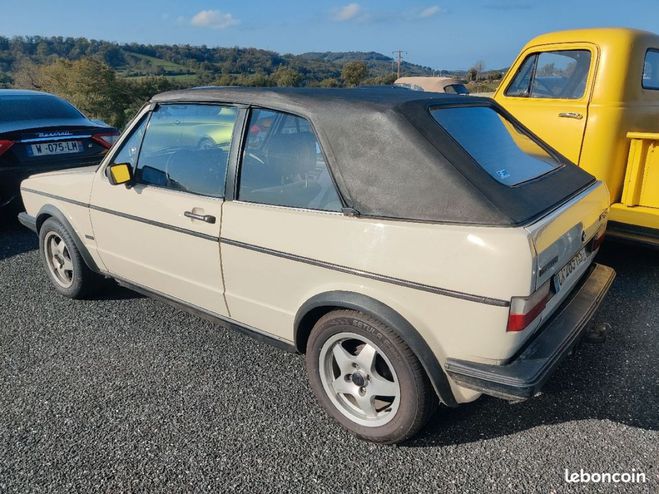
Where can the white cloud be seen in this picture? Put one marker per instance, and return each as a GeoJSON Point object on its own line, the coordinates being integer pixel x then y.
{"type": "Point", "coordinates": [430, 11]}
{"type": "Point", "coordinates": [347, 12]}
{"type": "Point", "coordinates": [214, 19]}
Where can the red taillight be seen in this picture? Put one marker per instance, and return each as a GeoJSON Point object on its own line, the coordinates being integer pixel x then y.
{"type": "Point", "coordinates": [5, 146]}
{"type": "Point", "coordinates": [106, 139]}
{"type": "Point", "coordinates": [598, 239]}
{"type": "Point", "coordinates": [524, 310]}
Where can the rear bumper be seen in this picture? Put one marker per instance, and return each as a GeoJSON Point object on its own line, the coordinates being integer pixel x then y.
{"type": "Point", "coordinates": [524, 375]}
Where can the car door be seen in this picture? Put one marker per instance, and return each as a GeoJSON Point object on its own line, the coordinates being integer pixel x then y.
{"type": "Point", "coordinates": [549, 92]}
{"type": "Point", "coordinates": [285, 204]}
{"type": "Point", "coordinates": [161, 231]}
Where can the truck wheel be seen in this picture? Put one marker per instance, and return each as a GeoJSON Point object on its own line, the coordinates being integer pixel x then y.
{"type": "Point", "coordinates": [367, 378]}
{"type": "Point", "coordinates": [65, 266]}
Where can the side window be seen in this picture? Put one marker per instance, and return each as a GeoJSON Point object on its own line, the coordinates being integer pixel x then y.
{"type": "Point", "coordinates": [521, 84]}
{"type": "Point", "coordinates": [131, 146]}
{"type": "Point", "coordinates": [555, 75]}
{"type": "Point", "coordinates": [186, 148]}
{"type": "Point", "coordinates": [283, 165]}
{"type": "Point", "coordinates": [259, 126]}
{"type": "Point", "coordinates": [651, 69]}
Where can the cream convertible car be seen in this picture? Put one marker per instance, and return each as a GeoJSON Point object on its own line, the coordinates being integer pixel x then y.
{"type": "Point", "coordinates": [419, 248]}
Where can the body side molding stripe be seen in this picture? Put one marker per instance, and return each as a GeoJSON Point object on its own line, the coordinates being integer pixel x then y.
{"type": "Point", "coordinates": [127, 216]}
{"type": "Point", "coordinates": [53, 196]}
{"type": "Point", "coordinates": [368, 274]}
{"type": "Point", "coordinates": [293, 257]}
{"type": "Point", "coordinates": [155, 223]}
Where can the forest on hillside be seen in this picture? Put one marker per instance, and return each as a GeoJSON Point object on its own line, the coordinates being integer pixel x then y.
{"type": "Point", "coordinates": [198, 64]}
{"type": "Point", "coordinates": [111, 81]}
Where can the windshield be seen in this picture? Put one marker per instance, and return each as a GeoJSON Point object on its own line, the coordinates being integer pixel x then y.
{"type": "Point", "coordinates": [35, 107]}
{"type": "Point", "coordinates": [456, 89]}
{"type": "Point", "coordinates": [496, 144]}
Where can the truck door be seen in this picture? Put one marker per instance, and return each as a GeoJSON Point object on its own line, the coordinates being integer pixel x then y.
{"type": "Point", "coordinates": [548, 90]}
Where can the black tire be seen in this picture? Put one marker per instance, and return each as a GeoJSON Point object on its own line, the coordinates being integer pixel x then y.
{"type": "Point", "coordinates": [417, 399]}
{"type": "Point", "coordinates": [84, 282]}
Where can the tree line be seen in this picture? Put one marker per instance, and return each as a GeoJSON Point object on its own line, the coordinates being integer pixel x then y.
{"type": "Point", "coordinates": [101, 92]}
{"type": "Point", "coordinates": [111, 81]}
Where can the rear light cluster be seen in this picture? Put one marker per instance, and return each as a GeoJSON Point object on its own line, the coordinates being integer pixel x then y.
{"type": "Point", "coordinates": [5, 146]}
{"type": "Point", "coordinates": [598, 239]}
{"type": "Point", "coordinates": [524, 310]}
{"type": "Point", "coordinates": [106, 139]}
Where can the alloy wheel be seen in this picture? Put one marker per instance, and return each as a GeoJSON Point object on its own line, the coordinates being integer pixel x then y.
{"type": "Point", "coordinates": [58, 259]}
{"type": "Point", "coordinates": [359, 379]}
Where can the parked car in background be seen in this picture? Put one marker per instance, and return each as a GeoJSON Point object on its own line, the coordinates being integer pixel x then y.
{"type": "Point", "coordinates": [405, 241]}
{"type": "Point", "coordinates": [433, 84]}
{"type": "Point", "coordinates": [41, 132]}
{"type": "Point", "coordinates": [593, 95]}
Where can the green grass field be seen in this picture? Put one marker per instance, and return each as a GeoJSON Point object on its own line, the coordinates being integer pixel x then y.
{"type": "Point", "coordinates": [145, 66]}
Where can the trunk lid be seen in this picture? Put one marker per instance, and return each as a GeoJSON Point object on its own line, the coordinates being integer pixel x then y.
{"type": "Point", "coordinates": [52, 145]}
{"type": "Point", "coordinates": [561, 235]}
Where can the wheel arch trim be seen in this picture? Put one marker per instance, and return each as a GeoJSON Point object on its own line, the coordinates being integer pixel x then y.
{"type": "Point", "coordinates": [323, 303]}
{"type": "Point", "coordinates": [50, 211]}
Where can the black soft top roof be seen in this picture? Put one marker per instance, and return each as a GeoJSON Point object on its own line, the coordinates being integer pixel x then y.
{"type": "Point", "coordinates": [390, 158]}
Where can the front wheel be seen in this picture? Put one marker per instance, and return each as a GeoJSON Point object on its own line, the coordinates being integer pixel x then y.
{"type": "Point", "coordinates": [63, 262]}
{"type": "Point", "coordinates": [367, 378]}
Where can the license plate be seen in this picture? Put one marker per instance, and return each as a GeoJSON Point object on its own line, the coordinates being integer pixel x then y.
{"type": "Point", "coordinates": [49, 148]}
{"type": "Point", "coordinates": [567, 270]}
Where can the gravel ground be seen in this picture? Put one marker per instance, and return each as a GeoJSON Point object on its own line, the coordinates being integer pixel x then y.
{"type": "Point", "coordinates": [125, 393]}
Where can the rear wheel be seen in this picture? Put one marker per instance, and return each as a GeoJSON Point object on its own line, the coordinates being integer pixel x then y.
{"type": "Point", "coordinates": [63, 262]}
{"type": "Point", "coordinates": [367, 378]}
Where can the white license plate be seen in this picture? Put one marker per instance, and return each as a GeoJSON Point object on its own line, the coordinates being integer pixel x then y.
{"type": "Point", "coordinates": [566, 271]}
{"type": "Point", "coordinates": [63, 147]}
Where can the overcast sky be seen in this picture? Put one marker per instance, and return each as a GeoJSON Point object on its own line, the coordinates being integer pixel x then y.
{"type": "Point", "coordinates": [439, 34]}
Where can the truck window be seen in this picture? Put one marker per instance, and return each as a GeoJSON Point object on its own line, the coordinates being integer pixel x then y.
{"type": "Point", "coordinates": [651, 69]}
{"type": "Point", "coordinates": [505, 152]}
{"type": "Point", "coordinates": [552, 74]}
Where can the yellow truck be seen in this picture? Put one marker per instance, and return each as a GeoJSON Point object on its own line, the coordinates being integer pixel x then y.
{"type": "Point", "coordinates": [593, 94]}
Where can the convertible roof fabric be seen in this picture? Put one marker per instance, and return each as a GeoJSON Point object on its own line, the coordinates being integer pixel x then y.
{"type": "Point", "coordinates": [391, 159]}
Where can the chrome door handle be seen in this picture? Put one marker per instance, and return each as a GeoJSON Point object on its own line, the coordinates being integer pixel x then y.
{"type": "Point", "coordinates": [571, 114]}
{"type": "Point", "coordinates": [201, 217]}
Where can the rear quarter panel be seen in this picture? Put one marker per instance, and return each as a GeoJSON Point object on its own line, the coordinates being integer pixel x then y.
{"type": "Point", "coordinates": [266, 291]}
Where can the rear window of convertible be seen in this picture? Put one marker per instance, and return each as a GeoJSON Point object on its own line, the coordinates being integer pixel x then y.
{"type": "Point", "coordinates": [505, 152]}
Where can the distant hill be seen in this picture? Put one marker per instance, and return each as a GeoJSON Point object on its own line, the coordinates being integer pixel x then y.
{"type": "Point", "coordinates": [377, 63]}
{"type": "Point", "coordinates": [194, 64]}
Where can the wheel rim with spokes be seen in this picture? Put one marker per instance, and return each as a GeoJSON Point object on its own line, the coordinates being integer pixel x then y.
{"type": "Point", "coordinates": [58, 259]}
{"type": "Point", "coordinates": [359, 379]}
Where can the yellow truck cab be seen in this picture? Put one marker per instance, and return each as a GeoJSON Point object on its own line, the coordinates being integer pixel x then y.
{"type": "Point", "coordinates": [593, 94]}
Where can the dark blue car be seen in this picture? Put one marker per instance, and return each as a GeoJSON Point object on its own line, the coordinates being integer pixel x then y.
{"type": "Point", "coordinates": [41, 132]}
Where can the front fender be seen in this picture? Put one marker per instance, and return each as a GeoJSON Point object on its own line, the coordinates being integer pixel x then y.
{"type": "Point", "coordinates": [50, 211]}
